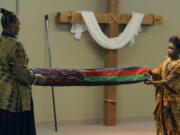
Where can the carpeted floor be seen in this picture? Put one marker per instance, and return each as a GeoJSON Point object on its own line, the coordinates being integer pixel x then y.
{"type": "Point", "coordinates": [126, 128]}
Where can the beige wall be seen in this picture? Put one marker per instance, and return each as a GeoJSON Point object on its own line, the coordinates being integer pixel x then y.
{"type": "Point", "coordinates": [86, 103]}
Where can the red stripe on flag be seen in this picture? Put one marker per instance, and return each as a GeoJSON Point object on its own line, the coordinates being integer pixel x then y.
{"type": "Point", "coordinates": [116, 72]}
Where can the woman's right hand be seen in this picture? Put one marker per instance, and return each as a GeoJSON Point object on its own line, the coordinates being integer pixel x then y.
{"type": "Point", "coordinates": [40, 79]}
{"type": "Point", "coordinates": [150, 71]}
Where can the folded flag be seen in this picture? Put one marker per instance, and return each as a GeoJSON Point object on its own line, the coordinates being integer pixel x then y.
{"type": "Point", "coordinates": [93, 77]}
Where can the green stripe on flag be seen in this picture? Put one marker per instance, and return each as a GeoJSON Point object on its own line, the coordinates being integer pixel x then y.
{"type": "Point", "coordinates": [115, 78]}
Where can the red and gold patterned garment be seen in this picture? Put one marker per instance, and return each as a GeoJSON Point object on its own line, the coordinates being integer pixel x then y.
{"type": "Point", "coordinates": [167, 105]}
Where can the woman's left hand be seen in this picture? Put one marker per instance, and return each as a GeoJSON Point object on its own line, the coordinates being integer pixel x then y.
{"type": "Point", "coordinates": [148, 81]}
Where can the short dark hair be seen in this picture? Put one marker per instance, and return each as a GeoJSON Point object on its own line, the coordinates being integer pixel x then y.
{"type": "Point", "coordinates": [7, 18]}
{"type": "Point", "coordinates": [175, 40]}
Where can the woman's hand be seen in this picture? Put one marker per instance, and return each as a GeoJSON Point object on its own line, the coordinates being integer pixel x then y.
{"type": "Point", "coordinates": [150, 71]}
{"type": "Point", "coordinates": [40, 79]}
{"type": "Point", "coordinates": [148, 81]}
{"type": "Point", "coordinates": [156, 83]}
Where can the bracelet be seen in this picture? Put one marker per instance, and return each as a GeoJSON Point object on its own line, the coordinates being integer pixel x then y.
{"type": "Point", "coordinates": [35, 80]}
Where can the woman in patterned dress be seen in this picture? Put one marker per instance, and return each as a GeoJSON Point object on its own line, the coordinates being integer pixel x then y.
{"type": "Point", "coordinates": [166, 79]}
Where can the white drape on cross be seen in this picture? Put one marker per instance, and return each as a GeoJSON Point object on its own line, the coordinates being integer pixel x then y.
{"type": "Point", "coordinates": [128, 35]}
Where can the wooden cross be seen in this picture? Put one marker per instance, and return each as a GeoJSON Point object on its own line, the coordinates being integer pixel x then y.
{"type": "Point", "coordinates": [112, 19]}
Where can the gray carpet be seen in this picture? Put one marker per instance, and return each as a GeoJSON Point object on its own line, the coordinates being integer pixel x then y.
{"type": "Point", "coordinates": [125, 128]}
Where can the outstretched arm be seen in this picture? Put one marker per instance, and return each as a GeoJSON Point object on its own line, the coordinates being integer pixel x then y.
{"type": "Point", "coordinates": [18, 62]}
